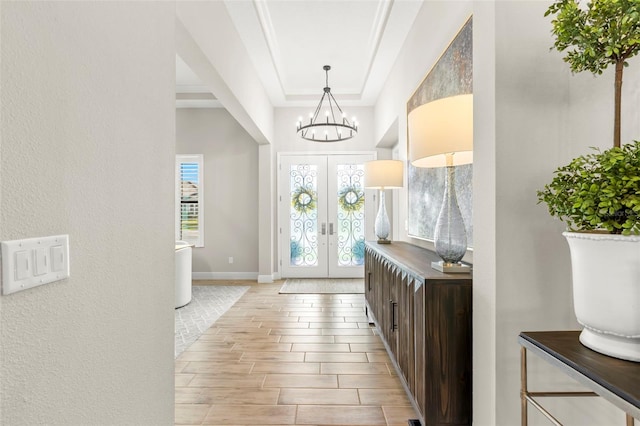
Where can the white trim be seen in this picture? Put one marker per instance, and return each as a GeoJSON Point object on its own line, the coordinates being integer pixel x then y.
{"type": "Point", "coordinates": [265, 279]}
{"type": "Point", "coordinates": [286, 153]}
{"type": "Point", "coordinates": [198, 103]}
{"type": "Point", "coordinates": [277, 276]}
{"type": "Point", "coordinates": [225, 276]}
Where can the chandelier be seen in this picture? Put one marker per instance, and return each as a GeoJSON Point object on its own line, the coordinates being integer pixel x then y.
{"type": "Point", "coordinates": [334, 127]}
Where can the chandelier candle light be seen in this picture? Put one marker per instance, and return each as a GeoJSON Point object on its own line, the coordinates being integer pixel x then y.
{"type": "Point", "coordinates": [441, 135]}
{"type": "Point", "coordinates": [334, 127]}
{"type": "Point", "coordinates": [383, 174]}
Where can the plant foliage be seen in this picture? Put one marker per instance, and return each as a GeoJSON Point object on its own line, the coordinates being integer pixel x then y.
{"type": "Point", "coordinates": [598, 191]}
{"type": "Point", "coordinates": [605, 32]}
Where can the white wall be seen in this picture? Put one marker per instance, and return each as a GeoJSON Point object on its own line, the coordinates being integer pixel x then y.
{"type": "Point", "coordinates": [87, 150]}
{"type": "Point", "coordinates": [544, 117]}
{"type": "Point", "coordinates": [531, 116]}
{"type": "Point", "coordinates": [484, 215]}
{"type": "Point", "coordinates": [209, 43]}
{"type": "Point", "coordinates": [436, 25]}
{"type": "Point", "coordinates": [231, 191]}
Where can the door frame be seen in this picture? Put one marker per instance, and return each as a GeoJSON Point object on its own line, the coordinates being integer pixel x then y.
{"type": "Point", "coordinates": [370, 196]}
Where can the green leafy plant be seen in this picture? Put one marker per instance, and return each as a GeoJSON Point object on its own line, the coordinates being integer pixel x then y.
{"type": "Point", "coordinates": [598, 191]}
{"type": "Point", "coordinates": [606, 32]}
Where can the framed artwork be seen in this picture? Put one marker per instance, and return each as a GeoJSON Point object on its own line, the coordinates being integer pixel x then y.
{"type": "Point", "coordinates": [451, 75]}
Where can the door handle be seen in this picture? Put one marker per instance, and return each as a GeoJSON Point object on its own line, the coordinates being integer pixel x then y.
{"type": "Point", "coordinates": [331, 229]}
{"type": "Point", "coordinates": [323, 229]}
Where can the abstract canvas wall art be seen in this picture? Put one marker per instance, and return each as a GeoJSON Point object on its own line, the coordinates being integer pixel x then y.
{"type": "Point", "coordinates": [451, 75]}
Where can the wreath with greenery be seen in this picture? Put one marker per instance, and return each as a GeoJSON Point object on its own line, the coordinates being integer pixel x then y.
{"type": "Point", "coordinates": [351, 198]}
{"type": "Point", "coordinates": [304, 200]}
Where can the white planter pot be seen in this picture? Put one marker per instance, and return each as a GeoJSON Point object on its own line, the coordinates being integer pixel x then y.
{"type": "Point", "coordinates": [606, 292]}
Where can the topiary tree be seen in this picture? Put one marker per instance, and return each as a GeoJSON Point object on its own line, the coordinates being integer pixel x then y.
{"type": "Point", "coordinates": [598, 191]}
{"type": "Point", "coordinates": [604, 32]}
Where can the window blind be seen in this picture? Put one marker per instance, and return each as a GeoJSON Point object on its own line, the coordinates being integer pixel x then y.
{"type": "Point", "coordinates": [190, 183]}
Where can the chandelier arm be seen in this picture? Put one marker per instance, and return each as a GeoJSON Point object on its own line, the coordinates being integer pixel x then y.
{"type": "Point", "coordinates": [333, 115]}
{"type": "Point", "coordinates": [345, 119]}
{"type": "Point", "coordinates": [318, 108]}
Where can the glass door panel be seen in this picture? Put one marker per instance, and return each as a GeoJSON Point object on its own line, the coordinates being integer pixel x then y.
{"type": "Point", "coordinates": [322, 215]}
{"type": "Point", "coordinates": [303, 218]}
{"type": "Point", "coordinates": [347, 211]}
{"type": "Point", "coordinates": [303, 215]}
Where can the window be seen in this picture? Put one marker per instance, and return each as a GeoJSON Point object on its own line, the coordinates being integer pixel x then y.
{"type": "Point", "coordinates": [189, 199]}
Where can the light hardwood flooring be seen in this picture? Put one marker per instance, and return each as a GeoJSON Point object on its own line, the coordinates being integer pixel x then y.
{"type": "Point", "coordinates": [289, 359]}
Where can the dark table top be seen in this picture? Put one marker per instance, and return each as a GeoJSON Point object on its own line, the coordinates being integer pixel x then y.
{"type": "Point", "coordinates": [416, 260]}
{"type": "Point", "coordinates": [619, 377]}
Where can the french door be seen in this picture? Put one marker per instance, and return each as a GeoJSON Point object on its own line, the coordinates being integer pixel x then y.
{"type": "Point", "coordinates": [322, 212]}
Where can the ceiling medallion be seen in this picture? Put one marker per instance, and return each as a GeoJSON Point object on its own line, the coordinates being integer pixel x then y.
{"type": "Point", "coordinates": [334, 127]}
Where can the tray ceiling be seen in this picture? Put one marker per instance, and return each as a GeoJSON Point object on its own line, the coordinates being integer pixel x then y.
{"type": "Point", "coordinates": [289, 41]}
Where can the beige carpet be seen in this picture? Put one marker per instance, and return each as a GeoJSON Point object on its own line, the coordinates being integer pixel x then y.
{"type": "Point", "coordinates": [323, 286]}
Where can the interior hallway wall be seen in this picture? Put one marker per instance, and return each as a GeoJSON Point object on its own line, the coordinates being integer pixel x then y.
{"type": "Point", "coordinates": [545, 116]}
{"type": "Point", "coordinates": [231, 191]}
{"type": "Point", "coordinates": [87, 149]}
{"type": "Point", "coordinates": [223, 64]}
{"type": "Point", "coordinates": [531, 116]}
{"type": "Point", "coordinates": [436, 25]}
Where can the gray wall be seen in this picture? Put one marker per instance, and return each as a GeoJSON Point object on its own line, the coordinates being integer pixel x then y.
{"type": "Point", "coordinates": [231, 191]}
{"type": "Point", "coordinates": [88, 150]}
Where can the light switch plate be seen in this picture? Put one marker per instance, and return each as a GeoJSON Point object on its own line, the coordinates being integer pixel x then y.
{"type": "Point", "coordinates": [34, 261]}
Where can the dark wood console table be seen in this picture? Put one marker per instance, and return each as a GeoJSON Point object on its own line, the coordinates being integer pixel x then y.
{"type": "Point", "coordinates": [616, 380]}
{"type": "Point", "coordinates": [424, 319]}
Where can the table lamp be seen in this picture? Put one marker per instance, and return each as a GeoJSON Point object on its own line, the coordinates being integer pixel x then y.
{"type": "Point", "coordinates": [383, 174]}
{"type": "Point", "coordinates": [441, 135]}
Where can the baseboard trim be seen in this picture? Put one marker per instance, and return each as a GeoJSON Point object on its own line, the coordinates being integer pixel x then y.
{"type": "Point", "coordinates": [265, 279]}
{"type": "Point", "coordinates": [224, 275]}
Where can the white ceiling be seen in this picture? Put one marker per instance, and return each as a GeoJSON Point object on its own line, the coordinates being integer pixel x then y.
{"type": "Point", "coordinates": [289, 41]}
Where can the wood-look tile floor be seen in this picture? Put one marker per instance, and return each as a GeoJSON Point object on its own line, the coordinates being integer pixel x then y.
{"type": "Point", "coordinates": [289, 359]}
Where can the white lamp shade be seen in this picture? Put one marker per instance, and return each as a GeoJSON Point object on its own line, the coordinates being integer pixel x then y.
{"type": "Point", "coordinates": [383, 174]}
{"type": "Point", "coordinates": [444, 126]}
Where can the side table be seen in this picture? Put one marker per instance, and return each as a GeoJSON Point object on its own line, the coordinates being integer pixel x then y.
{"type": "Point", "coordinates": [616, 380]}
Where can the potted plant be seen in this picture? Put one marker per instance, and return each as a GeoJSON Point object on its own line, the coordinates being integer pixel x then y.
{"type": "Point", "coordinates": [597, 194]}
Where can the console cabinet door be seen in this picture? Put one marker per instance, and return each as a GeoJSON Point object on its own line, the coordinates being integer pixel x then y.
{"type": "Point", "coordinates": [404, 331]}
{"type": "Point", "coordinates": [389, 320]}
{"type": "Point", "coordinates": [368, 282]}
{"type": "Point", "coordinates": [447, 327]}
{"type": "Point", "coordinates": [420, 345]}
